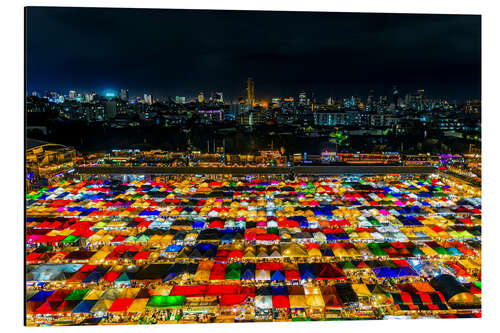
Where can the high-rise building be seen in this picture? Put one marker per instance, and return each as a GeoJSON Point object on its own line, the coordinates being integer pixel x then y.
{"type": "Point", "coordinates": [201, 98]}
{"type": "Point", "coordinates": [371, 97]}
{"type": "Point", "coordinates": [109, 109]}
{"type": "Point", "coordinates": [72, 94]}
{"type": "Point", "coordinates": [473, 106]}
{"type": "Point", "coordinates": [395, 96]}
{"type": "Point", "coordinates": [302, 98]}
{"type": "Point", "coordinates": [148, 99]}
{"type": "Point", "coordinates": [250, 91]}
{"type": "Point", "coordinates": [124, 95]}
{"type": "Point", "coordinates": [34, 93]}
{"type": "Point", "coordinates": [219, 97]}
{"type": "Point", "coordinates": [180, 99]}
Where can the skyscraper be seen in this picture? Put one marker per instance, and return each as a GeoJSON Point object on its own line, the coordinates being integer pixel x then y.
{"type": "Point", "coordinates": [109, 109]}
{"type": "Point", "coordinates": [302, 98]}
{"type": "Point", "coordinates": [250, 91]}
{"type": "Point", "coordinates": [201, 98]}
{"type": "Point", "coordinates": [148, 99]}
{"type": "Point", "coordinates": [395, 96]}
{"type": "Point", "coordinates": [72, 94]}
{"type": "Point", "coordinates": [371, 97]}
{"type": "Point", "coordinates": [124, 95]}
{"type": "Point", "coordinates": [219, 97]}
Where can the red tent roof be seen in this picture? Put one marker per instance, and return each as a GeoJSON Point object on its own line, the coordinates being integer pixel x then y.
{"type": "Point", "coordinates": [281, 302]}
{"type": "Point", "coordinates": [111, 276]}
{"type": "Point", "coordinates": [230, 300]}
{"type": "Point", "coordinates": [188, 290]}
{"type": "Point", "coordinates": [120, 305]}
{"type": "Point", "coordinates": [292, 275]}
{"type": "Point", "coordinates": [141, 255]}
{"type": "Point", "coordinates": [219, 290]}
{"type": "Point", "coordinates": [270, 266]}
{"type": "Point", "coordinates": [218, 271]}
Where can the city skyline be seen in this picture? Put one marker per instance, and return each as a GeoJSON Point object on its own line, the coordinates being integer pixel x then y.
{"type": "Point", "coordinates": [349, 55]}
{"type": "Point", "coordinates": [193, 96]}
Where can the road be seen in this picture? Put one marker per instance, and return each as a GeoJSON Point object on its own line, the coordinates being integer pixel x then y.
{"type": "Point", "coordinates": [297, 170]}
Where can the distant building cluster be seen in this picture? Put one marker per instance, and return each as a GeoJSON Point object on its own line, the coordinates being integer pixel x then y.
{"type": "Point", "coordinates": [401, 114]}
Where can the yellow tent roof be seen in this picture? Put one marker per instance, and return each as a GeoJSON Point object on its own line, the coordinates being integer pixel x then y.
{"type": "Point", "coordinates": [94, 294]}
{"type": "Point", "coordinates": [138, 305]}
{"type": "Point", "coordinates": [129, 292]}
{"type": "Point", "coordinates": [162, 291]}
{"type": "Point", "coordinates": [100, 255]}
{"type": "Point", "coordinates": [312, 290]}
{"type": "Point", "coordinates": [315, 301]}
{"type": "Point", "coordinates": [314, 252]}
{"type": "Point", "coordinates": [293, 250]}
{"type": "Point", "coordinates": [297, 301]}
{"type": "Point", "coordinates": [361, 290]}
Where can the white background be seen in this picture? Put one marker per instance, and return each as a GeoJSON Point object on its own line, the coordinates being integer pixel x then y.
{"type": "Point", "coordinates": [11, 160]}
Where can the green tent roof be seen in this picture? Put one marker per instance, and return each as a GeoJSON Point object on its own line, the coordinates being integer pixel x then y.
{"type": "Point", "coordinates": [233, 271]}
{"type": "Point", "coordinates": [376, 250]}
{"type": "Point", "coordinates": [346, 265]}
{"type": "Point", "coordinates": [166, 302]}
{"type": "Point", "coordinates": [70, 239]}
{"type": "Point", "coordinates": [441, 250]}
{"type": "Point", "coordinates": [123, 278]}
{"type": "Point", "coordinates": [76, 294]}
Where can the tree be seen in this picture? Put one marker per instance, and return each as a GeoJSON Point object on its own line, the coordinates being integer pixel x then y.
{"type": "Point", "coordinates": [338, 138]}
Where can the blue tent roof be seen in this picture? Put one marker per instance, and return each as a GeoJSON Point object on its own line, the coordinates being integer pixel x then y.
{"type": "Point", "coordinates": [248, 274]}
{"type": "Point", "coordinates": [327, 251]}
{"type": "Point", "coordinates": [41, 296]}
{"type": "Point", "coordinates": [198, 224]}
{"type": "Point", "coordinates": [94, 276]}
{"type": "Point", "coordinates": [306, 272]}
{"type": "Point", "coordinates": [206, 246]}
{"type": "Point", "coordinates": [173, 248]}
{"type": "Point", "coordinates": [454, 251]}
{"type": "Point", "coordinates": [385, 272]}
{"type": "Point", "coordinates": [277, 276]}
{"type": "Point", "coordinates": [406, 271]}
{"type": "Point", "coordinates": [279, 290]}
{"type": "Point", "coordinates": [84, 306]}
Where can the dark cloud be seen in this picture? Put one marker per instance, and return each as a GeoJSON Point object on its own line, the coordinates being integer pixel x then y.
{"type": "Point", "coordinates": [181, 52]}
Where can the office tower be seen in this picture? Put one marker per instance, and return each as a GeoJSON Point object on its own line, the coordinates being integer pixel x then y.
{"type": "Point", "coordinates": [109, 109]}
{"type": "Point", "coordinates": [148, 99]}
{"type": "Point", "coordinates": [34, 93]}
{"type": "Point", "coordinates": [236, 109]}
{"type": "Point", "coordinates": [201, 98]}
{"type": "Point", "coordinates": [250, 91]}
{"type": "Point", "coordinates": [371, 97]}
{"type": "Point", "coordinates": [72, 94]}
{"type": "Point", "coordinates": [124, 95]}
{"type": "Point", "coordinates": [219, 97]}
{"type": "Point", "coordinates": [302, 98]}
{"type": "Point", "coordinates": [395, 96]}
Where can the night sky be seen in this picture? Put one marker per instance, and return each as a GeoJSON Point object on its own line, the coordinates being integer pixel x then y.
{"type": "Point", "coordinates": [182, 52]}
